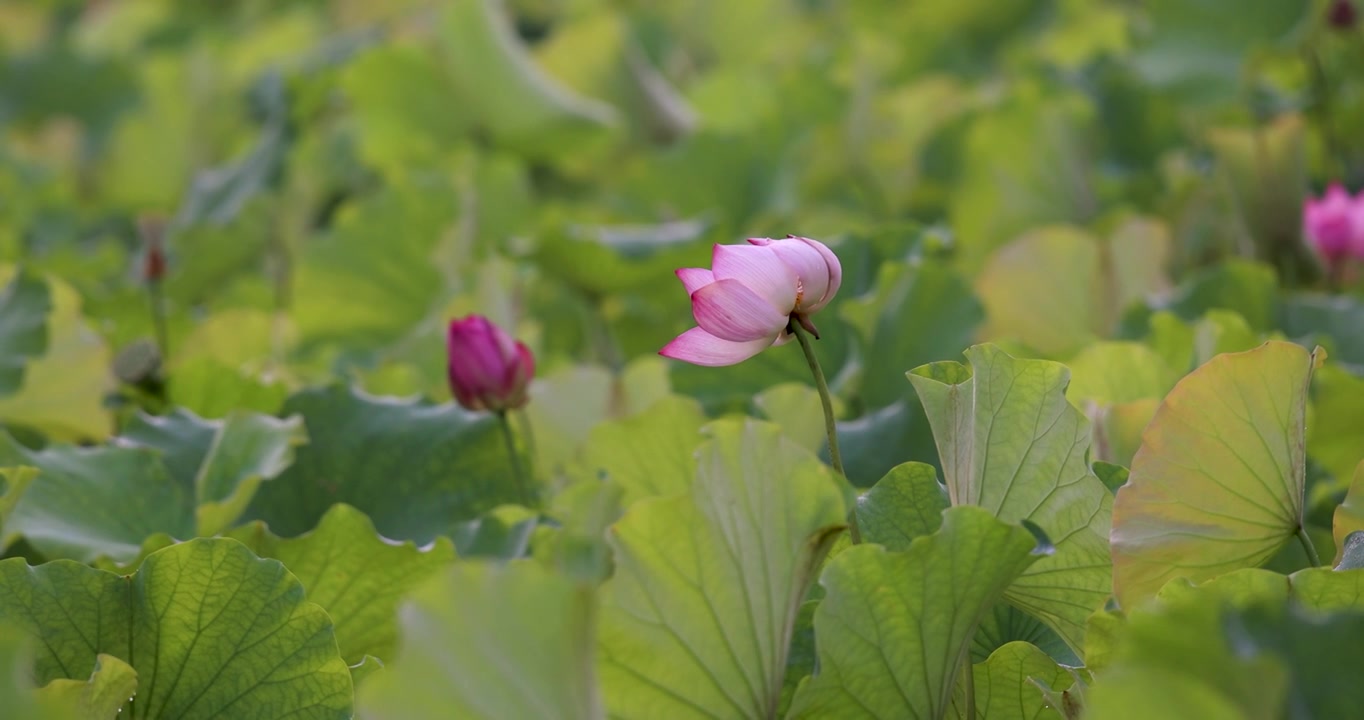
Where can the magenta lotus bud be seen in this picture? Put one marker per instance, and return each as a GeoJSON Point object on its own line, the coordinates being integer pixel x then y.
{"type": "Point", "coordinates": [1334, 225]}
{"type": "Point", "coordinates": [744, 303]}
{"type": "Point", "coordinates": [488, 369]}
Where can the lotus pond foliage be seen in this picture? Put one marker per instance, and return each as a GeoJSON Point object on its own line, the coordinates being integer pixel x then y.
{"type": "Point", "coordinates": [1016, 370]}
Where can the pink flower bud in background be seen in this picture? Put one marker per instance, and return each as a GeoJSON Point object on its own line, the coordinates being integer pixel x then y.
{"type": "Point", "coordinates": [1334, 225]}
{"type": "Point", "coordinates": [1341, 14]}
{"type": "Point", "coordinates": [153, 232]}
{"type": "Point", "coordinates": [488, 370]}
{"type": "Point", "coordinates": [744, 303]}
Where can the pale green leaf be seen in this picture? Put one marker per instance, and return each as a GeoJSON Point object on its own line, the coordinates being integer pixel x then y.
{"type": "Point", "coordinates": [491, 642]}
{"type": "Point", "coordinates": [355, 574]}
{"type": "Point", "coordinates": [1218, 482]}
{"type": "Point", "coordinates": [1012, 444]}
{"type": "Point", "coordinates": [111, 685]}
{"type": "Point", "coordinates": [892, 626]}
{"type": "Point", "coordinates": [207, 626]}
{"type": "Point", "coordinates": [652, 454]}
{"type": "Point", "coordinates": [698, 619]}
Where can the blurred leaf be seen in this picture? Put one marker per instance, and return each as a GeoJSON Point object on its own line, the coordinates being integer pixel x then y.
{"type": "Point", "coordinates": [63, 391]}
{"type": "Point", "coordinates": [579, 548]}
{"type": "Point", "coordinates": [483, 640]}
{"type": "Point", "coordinates": [1335, 319]}
{"type": "Point", "coordinates": [605, 259]}
{"type": "Point", "coordinates": [24, 306]}
{"type": "Point", "coordinates": [399, 99]}
{"type": "Point", "coordinates": [414, 468]}
{"type": "Point", "coordinates": [220, 464]}
{"type": "Point", "coordinates": [1335, 435]}
{"type": "Point", "coordinates": [1265, 170]}
{"type": "Point", "coordinates": [918, 313]}
{"type": "Point", "coordinates": [372, 278]}
{"type": "Point", "coordinates": [1219, 477]}
{"type": "Point", "coordinates": [1118, 436]}
{"type": "Point", "coordinates": [204, 624]}
{"type": "Point", "coordinates": [1242, 286]}
{"type": "Point", "coordinates": [1117, 372]}
{"type": "Point", "coordinates": [1222, 331]}
{"type": "Point", "coordinates": [1023, 298]}
{"type": "Point", "coordinates": [1200, 48]}
{"type": "Point", "coordinates": [212, 390]}
{"type": "Point", "coordinates": [511, 98]}
{"type": "Point", "coordinates": [1012, 444]}
{"type": "Point", "coordinates": [355, 574]}
{"type": "Point", "coordinates": [1349, 516]}
{"type": "Point", "coordinates": [16, 481]}
{"type": "Point", "coordinates": [700, 638]}
{"type": "Point", "coordinates": [920, 606]}
{"type": "Point", "coordinates": [797, 408]}
{"type": "Point", "coordinates": [1025, 165]}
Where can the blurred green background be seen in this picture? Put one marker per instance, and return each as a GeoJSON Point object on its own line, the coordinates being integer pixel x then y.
{"type": "Point", "coordinates": [334, 179]}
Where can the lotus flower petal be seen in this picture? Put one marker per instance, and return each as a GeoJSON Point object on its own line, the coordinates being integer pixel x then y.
{"type": "Point", "coordinates": [694, 279]}
{"type": "Point", "coordinates": [760, 270]}
{"type": "Point", "coordinates": [699, 347]}
{"type": "Point", "coordinates": [729, 310]}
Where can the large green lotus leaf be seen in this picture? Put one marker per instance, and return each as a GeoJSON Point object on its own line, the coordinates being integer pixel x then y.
{"type": "Point", "coordinates": [1012, 444]}
{"type": "Point", "coordinates": [101, 696]}
{"type": "Point", "coordinates": [892, 627]}
{"type": "Point", "coordinates": [356, 290]}
{"type": "Point", "coordinates": [88, 502]}
{"type": "Point", "coordinates": [510, 97]}
{"type": "Point", "coordinates": [489, 641]}
{"type": "Point", "coordinates": [1004, 684]}
{"type": "Point", "coordinates": [63, 390]}
{"type": "Point", "coordinates": [917, 313]}
{"type": "Point", "coordinates": [1024, 166]}
{"type": "Point", "coordinates": [1118, 372]}
{"type": "Point", "coordinates": [1218, 482]}
{"type": "Point", "coordinates": [698, 619]}
{"type": "Point", "coordinates": [1334, 438]}
{"type": "Point", "coordinates": [24, 305]}
{"type": "Point", "coordinates": [651, 454]}
{"type": "Point", "coordinates": [16, 481]}
{"type": "Point", "coordinates": [208, 627]}
{"type": "Point", "coordinates": [1348, 518]}
{"type": "Point", "coordinates": [907, 504]}
{"type": "Point", "coordinates": [356, 575]}
{"type": "Point", "coordinates": [415, 468]}
{"type": "Point", "coordinates": [399, 102]}
{"type": "Point", "coordinates": [220, 463]}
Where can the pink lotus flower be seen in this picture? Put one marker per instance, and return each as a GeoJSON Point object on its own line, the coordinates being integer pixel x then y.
{"type": "Point", "coordinates": [488, 370]}
{"type": "Point", "coordinates": [1334, 225]}
{"type": "Point", "coordinates": [745, 302]}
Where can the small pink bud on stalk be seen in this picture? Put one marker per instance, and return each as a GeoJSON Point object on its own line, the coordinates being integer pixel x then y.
{"type": "Point", "coordinates": [488, 370]}
{"type": "Point", "coordinates": [751, 294]}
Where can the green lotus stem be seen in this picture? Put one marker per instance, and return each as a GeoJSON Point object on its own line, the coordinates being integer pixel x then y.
{"type": "Point", "coordinates": [1307, 546]}
{"type": "Point", "coordinates": [158, 305]}
{"type": "Point", "coordinates": [518, 472]}
{"type": "Point", "coordinates": [830, 425]}
{"type": "Point", "coordinates": [970, 680]}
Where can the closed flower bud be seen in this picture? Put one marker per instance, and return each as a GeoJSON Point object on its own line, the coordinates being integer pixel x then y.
{"type": "Point", "coordinates": [1341, 14]}
{"type": "Point", "coordinates": [488, 370]}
